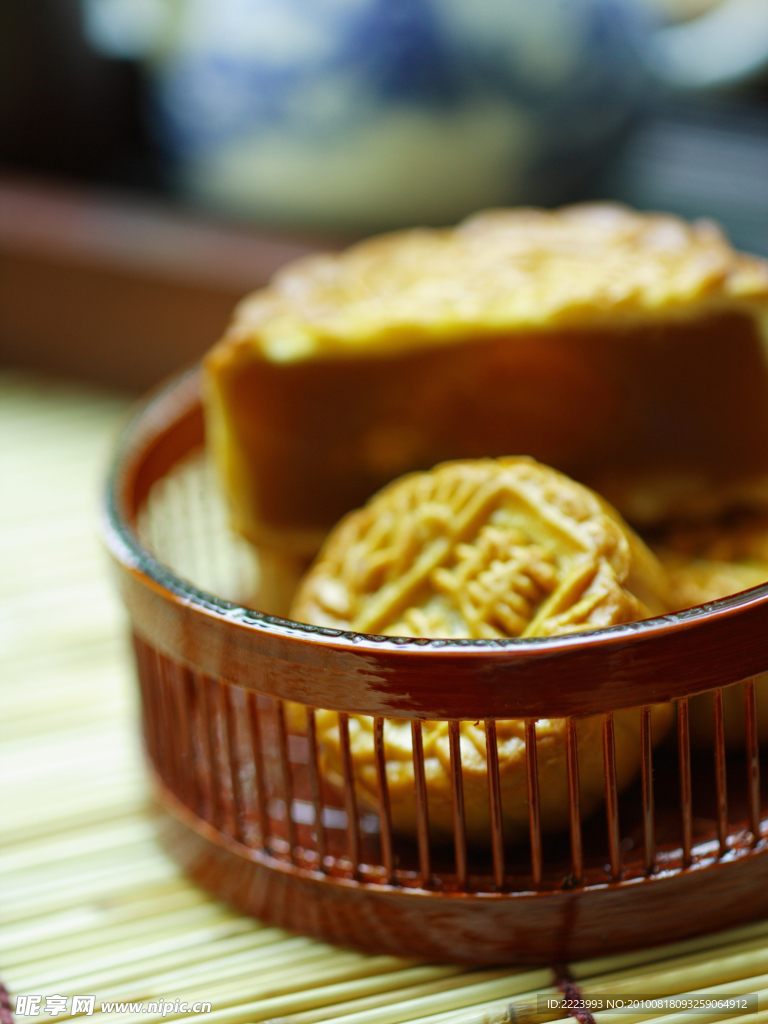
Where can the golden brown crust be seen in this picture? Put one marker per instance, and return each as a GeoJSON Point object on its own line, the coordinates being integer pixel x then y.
{"type": "Point", "coordinates": [483, 548]}
{"type": "Point", "coordinates": [570, 335]}
{"type": "Point", "coordinates": [706, 563]}
{"type": "Point", "coordinates": [551, 758]}
{"type": "Point", "coordinates": [499, 271]}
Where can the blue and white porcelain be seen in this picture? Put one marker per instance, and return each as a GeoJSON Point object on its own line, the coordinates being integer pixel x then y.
{"type": "Point", "coordinates": [365, 114]}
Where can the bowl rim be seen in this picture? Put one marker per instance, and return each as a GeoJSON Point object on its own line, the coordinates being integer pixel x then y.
{"type": "Point", "coordinates": [123, 540]}
{"type": "Point", "coordinates": [615, 656]}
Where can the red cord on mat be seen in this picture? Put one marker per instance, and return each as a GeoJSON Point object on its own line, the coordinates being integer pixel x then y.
{"type": "Point", "coordinates": [575, 1000]}
{"type": "Point", "coordinates": [6, 1014]}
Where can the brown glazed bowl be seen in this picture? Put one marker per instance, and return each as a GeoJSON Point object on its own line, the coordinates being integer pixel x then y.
{"type": "Point", "coordinates": [249, 813]}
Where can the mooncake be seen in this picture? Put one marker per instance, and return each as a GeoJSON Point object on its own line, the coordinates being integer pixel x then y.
{"type": "Point", "coordinates": [705, 563]}
{"type": "Point", "coordinates": [483, 549]}
{"type": "Point", "coordinates": [625, 349]}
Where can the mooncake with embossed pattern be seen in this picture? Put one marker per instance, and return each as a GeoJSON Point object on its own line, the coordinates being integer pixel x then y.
{"type": "Point", "coordinates": [483, 549]}
{"type": "Point", "coordinates": [626, 349]}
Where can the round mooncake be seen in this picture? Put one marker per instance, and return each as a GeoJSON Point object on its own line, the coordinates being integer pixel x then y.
{"type": "Point", "coordinates": [482, 549]}
{"type": "Point", "coordinates": [704, 563]}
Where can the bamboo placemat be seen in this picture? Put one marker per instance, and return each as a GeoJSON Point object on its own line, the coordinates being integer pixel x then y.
{"type": "Point", "coordinates": [91, 904]}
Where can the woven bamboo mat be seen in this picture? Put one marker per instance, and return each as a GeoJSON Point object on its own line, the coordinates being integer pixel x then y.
{"type": "Point", "coordinates": [91, 904]}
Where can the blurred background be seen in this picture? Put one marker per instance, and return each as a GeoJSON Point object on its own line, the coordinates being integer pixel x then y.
{"type": "Point", "coordinates": [159, 158]}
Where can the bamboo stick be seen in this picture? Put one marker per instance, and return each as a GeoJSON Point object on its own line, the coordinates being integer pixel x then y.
{"type": "Point", "coordinates": [219, 978]}
{"type": "Point", "coordinates": [206, 971]}
{"type": "Point", "coordinates": [49, 784]}
{"type": "Point", "coordinates": [118, 909]}
{"type": "Point", "coordinates": [270, 1008]}
{"type": "Point", "coordinates": [93, 886]}
{"type": "Point", "coordinates": [713, 940]}
{"type": "Point", "coordinates": [680, 964]}
{"type": "Point", "coordinates": [525, 1010]}
{"type": "Point", "coordinates": [761, 1017]}
{"type": "Point", "coordinates": [279, 977]}
{"type": "Point", "coordinates": [181, 947]}
{"type": "Point", "coordinates": [126, 799]}
{"type": "Point", "coordinates": [243, 1001]}
{"type": "Point", "coordinates": [495, 1011]}
{"type": "Point", "coordinates": [456, 999]}
{"type": "Point", "coordinates": [378, 996]}
{"type": "Point", "coordinates": [668, 980]}
{"type": "Point", "coordinates": [94, 840]}
{"type": "Point", "coordinates": [80, 945]}
{"type": "Point", "coordinates": [525, 1006]}
{"type": "Point", "coordinates": [644, 979]}
{"type": "Point", "coordinates": [757, 985]}
{"type": "Point", "coordinates": [29, 883]}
